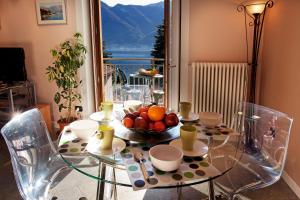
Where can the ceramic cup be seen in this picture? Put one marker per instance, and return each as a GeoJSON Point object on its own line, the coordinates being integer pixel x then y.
{"type": "Point", "coordinates": [185, 108]}
{"type": "Point", "coordinates": [106, 136]}
{"type": "Point", "coordinates": [107, 108]}
{"type": "Point", "coordinates": [188, 136]}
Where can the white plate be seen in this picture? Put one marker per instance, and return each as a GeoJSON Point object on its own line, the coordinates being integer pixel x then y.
{"type": "Point", "coordinates": [118, 145]}
{"type": "Point", "coordinates": [99, 117]}
{"type": "Point", "coordinates": [200, 149]}
{"type": "Point", "coordinates": [192, 117]}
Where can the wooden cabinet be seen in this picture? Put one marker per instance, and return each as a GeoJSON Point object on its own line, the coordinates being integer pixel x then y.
{"type": "Point", "coordinates": [45, 109]}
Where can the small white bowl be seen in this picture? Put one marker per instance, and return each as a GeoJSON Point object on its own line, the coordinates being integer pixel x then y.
{"type": "Point", "coordinates": [84, 129]}
{"type": "Point", "coordinates": [165, 157]}
{"type": "Point", "coordinates": [132, 104]}
{"type": "Point", "coordinates": [210, 119]}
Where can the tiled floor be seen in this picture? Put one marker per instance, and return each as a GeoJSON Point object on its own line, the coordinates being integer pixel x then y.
{"type": "Point", "coordinates": [9, 191]}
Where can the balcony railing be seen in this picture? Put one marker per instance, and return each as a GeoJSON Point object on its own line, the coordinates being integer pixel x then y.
{"type": "Point", "coordinates": [123, 81]}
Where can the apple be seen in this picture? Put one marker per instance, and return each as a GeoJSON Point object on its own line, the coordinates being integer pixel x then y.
{"type": "Point", "coordinates": [128, 122]}
{"type": "Point", "coordinates": [159, 126]}
{"type": "Point", "coordinates": [140, 123]}
{"type": "Point", "coordinates": [143, 109]}
{"type": "Point", "coordinates": [144, 115]}
{"type": "Point", "coordinates": [151, 126]}
{"type": "Point", "coordinates": [171, 120]}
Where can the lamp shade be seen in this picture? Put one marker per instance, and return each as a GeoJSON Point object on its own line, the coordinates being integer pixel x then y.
{"type": "Point", "coordinates": [255, 8]}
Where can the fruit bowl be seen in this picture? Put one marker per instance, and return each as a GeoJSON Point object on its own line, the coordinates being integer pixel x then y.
{"type": "Point", "coordinates": [151, 72]}
{"type": "Point", "coordinates": [150, 120]}
{"type": "Point", "coordinates": [150, 131]}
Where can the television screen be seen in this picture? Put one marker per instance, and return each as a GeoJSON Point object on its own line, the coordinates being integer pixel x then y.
{"type": "Point", "coordinates": [12, 65]}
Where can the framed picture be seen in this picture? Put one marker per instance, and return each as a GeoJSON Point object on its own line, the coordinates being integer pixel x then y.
{"type": "Point", "coordinates": [51, 11]}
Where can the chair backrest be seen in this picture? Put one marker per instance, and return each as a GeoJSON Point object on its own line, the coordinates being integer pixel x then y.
{"type": "Point", "coordinates": [30, 148]}
{"type": "Point", "coordinates": [266, 136]}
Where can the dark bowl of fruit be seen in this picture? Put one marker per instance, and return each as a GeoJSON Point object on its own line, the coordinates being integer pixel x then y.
{"type": "Point", "coordinates": [150, 120]}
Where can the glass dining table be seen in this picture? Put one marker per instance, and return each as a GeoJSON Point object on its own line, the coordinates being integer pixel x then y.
{"type": "Point", "coordinates": [223, 153]}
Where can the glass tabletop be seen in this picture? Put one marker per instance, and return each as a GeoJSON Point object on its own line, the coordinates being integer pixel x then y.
{"type": "Point", "coordinates": [223, 153]}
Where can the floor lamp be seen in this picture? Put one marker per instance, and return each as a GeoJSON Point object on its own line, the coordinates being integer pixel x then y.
{"type": "Point", "coordinates": [256, 11]}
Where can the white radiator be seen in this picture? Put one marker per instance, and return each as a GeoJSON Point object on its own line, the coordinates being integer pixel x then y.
{"type": "Point", "coordinates": [218, 87]}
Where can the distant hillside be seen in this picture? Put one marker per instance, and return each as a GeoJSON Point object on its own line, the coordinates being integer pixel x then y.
{"type": "Point", "coordinates": [131, 26]}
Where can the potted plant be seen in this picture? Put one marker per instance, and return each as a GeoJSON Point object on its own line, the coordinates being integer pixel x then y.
{"type": "Point", "coordinates": [68, 58]}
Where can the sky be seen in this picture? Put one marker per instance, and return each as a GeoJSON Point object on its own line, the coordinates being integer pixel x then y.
{"type": "Point", "coordinates": [130, 2]}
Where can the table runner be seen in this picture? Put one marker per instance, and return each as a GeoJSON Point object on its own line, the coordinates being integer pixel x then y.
{"type": "Point", "coordinates": [191, 168]}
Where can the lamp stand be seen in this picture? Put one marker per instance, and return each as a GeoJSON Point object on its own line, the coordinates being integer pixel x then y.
{"type": "Point", "coordinates": [258, 22]}
{"type": "Point", "coordinates": [255, 53]}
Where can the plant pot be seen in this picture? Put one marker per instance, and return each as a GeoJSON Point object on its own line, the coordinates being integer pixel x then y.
{"type": "Point", "coordinates": [63, 122]}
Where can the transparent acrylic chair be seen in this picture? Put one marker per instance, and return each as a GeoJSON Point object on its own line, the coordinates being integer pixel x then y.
{"type": "Point", "coordinates": [37, 166]}
{"type": "Point", "coordinates": [264, 147]}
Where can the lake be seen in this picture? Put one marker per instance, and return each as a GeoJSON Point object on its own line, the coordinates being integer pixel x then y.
{"type": "Point", "coordinates": [131, 66]}
{"type": "Point", "coordinates": [56, 16]}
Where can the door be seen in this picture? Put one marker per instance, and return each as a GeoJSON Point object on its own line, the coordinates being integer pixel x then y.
{"type": "Point", "coordinates": [118, 71]}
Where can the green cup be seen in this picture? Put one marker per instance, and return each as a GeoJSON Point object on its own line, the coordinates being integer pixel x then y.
{"type": "Point", "coordinates": [107, 108]}
{"type": "Point", "coordinates": [188, 136]}
{"type": "Point", "coordinates": [185, 109]}
{"type": "Point", "coordinates": [106, 136]}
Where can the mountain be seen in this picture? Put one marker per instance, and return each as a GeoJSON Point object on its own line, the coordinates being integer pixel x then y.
{"type": "Point", "coordinates": [131, 26]}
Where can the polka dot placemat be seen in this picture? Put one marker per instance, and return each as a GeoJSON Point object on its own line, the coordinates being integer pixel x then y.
{"type": "Point", "coordinates": [69, 144]}
{"type": "Point", "coordinates": [222, 130]}
{"type": "Point", "coordinates": [191, 169]}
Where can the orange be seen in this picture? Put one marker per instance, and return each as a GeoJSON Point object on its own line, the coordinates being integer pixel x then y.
{"type": "Point", "coordinates": [156, 113]}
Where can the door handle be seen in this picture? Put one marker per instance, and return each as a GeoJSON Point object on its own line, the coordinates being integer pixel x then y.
{"type": "Point", "coordinates": [171, 66]}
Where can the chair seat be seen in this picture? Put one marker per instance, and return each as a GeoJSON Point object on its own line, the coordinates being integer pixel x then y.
{"type": "Point", "coordinates": [59, 181]}
{"type": "Point", "coordinates": [247, 174]}
{"type": "Point", "coordinates": [239, 176]}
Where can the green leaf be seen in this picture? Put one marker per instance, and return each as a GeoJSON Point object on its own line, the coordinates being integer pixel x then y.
{"type": "Point", "coordinates": [60, 107]}
{"type": "Point", "coordinates": [57, 98]}
{"type": "Point", "coordinates": [53, 52]}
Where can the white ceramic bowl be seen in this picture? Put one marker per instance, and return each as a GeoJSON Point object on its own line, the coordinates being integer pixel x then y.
{"type": "Point", "coordinates": [165, 157]}
{"type": "Point", "coordinates": [210, 119]}
{"type": "Point", "coordinates": [132, 104]}
{"type": "Point", "coordinates": [84, 129]}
